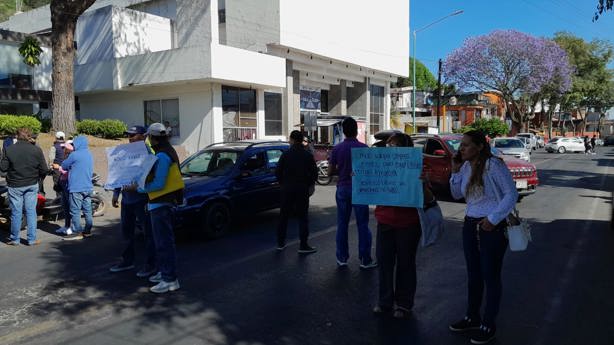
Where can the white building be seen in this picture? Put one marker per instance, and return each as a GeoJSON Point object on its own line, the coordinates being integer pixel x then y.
{"type": "Point", "coordinates": [24, 90]}
{"type": "Point", "coordinates": [235, 69]}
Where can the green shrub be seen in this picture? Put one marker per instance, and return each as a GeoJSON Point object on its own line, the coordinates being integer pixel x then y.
{"type": "Point", "coordinates": [109, 129]}
{"type": "Point", "coordinates": [10, 123]}
{"type": "Point", "coordinates": [491, 127]}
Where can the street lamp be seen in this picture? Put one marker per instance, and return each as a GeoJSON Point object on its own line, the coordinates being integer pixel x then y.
{"type": "Point", "coordinates": [413, 104]}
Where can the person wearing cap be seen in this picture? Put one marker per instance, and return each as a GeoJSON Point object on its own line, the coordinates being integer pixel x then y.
{"type": "Point", "coordinates": [133, 210]}
{"type": "Point", "coordinates": [63, 189]}
{"type": "Point", "coordinates": [24, 164]}
{"type": "Point", "coordinates": [80, 167]}
{"type": "Point", "coordinates": [56, 156]}
{"type": "Point", "coordinates": [296, 172]}
{"type": "Point", "coordinates": [164, 187]}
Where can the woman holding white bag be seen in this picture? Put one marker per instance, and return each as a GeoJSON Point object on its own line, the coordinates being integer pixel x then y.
{"type": "Point", "coordinates": [481, 179]}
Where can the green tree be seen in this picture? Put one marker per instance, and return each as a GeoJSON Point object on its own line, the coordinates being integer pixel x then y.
{"type": "Point", "coordinates": [425, 81]}
{"type": "Point", "coordinates": [30, 50]}
{"type": "Point", "coordinates": [602, 6]}
{"type": "Point", "coordinates": [491, 127]}
{"type": "Point", "coordinates": [592, 81]}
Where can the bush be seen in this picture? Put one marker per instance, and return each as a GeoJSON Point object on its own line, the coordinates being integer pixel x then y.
{"type": "Point", "coordinates": [10, 123]}
{"type": "Point", "coordinates": [108, 129]}
{"type": "Point", "coordinates": [491, 127]}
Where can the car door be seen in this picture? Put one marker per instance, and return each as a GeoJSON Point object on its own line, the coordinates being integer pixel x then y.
{"type": "Point", "coordinates": [273, 192]}
{"type": "Point", "coordinates": [252, 183]}
{"type": "Point", "coordinates": [436, 162]}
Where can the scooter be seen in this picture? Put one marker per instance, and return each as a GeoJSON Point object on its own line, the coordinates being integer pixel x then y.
{"type": "Point", "coordinates": [323, 177]}
{"type": "Point", "coordinates": [52, 209]}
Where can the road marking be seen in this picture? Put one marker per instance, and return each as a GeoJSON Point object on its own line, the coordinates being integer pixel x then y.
{"type": "Point", "coordinates": [557, 297]}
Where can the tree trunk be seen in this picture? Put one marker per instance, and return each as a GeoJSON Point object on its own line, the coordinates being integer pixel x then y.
{"type": "Point", "coordinates": [62, 75]}
{"type": "Point", "coordinates": [64, 15]}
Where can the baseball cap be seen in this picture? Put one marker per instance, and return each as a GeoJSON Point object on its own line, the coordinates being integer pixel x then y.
{"type": "Point", "coordinates": [60, 134]}
{"type": "Point", "coordinates": [157, 130]}
{"type": "Point", "coordinates": [136, 130]}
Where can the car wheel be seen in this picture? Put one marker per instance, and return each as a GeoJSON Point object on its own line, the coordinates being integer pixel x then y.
{"type": "Point", "coordinates": [217, 220]}
{"type": "Point", "coordinates": [562, 149]}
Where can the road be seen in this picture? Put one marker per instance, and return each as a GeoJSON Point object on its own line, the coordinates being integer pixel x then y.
{"type": "Point", "coordinates": [239, 290]}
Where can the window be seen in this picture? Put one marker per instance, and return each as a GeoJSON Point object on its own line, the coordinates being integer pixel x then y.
{"type": "Point", "coordinates": [211, 163]}
{"type": "Point", "coordinates": [273, 156]}
{"type": "Point", "coordinates": [272, 114]}
{"type": "Point", "coordinates": [376, 118]}
{"type": "Point", "coordinates": [432, 146]}
{"type": "Point", "coordinates": [255, 165]}
{"type": "Point", "coordinates": [239, 113]}
{"type": "Point", "coordinates": [165, 111]}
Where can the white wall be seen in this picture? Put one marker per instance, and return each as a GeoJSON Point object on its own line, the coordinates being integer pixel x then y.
{"type": "Point", "coordinates": [41, 74]}
{"type": "Point", "coordinates": [162, 8]}
{"type": "Point", "coordinates": [239, 65]}
{"type": "Point", "coordinates": [195, 115]}
{"type": "Point", "coordinates": [252, 24]}
{"type": "Point", "coordinates": [373, 34]}
{"type": "Point", "coordinates": [113, 32]}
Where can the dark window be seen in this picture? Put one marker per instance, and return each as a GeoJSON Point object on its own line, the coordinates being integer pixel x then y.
{"type": "Point", "coordinates": [324, 101]}
{"type": "Point", "coordinates": [376, 120]}
{"type": "Point", "coordinates": [432, 145]}
{"type": "Point", "coordinates": [165, 111]}
{"type": "Point", "coordinates": [255, 165]}
{"type": "Point", "coordinates": [239, 113]}
{"type": "Point", "coordinates": [272, 114]}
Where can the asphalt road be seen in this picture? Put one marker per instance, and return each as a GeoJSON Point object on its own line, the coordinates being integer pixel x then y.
{"type": "Point", "coordinates": [239, 290]}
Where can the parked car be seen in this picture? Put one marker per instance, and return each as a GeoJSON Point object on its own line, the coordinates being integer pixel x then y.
{"type": "Point", "coordinates": [526, 142]}
{"type": "Point", "coordinates": [609, 140]}
{"type": "Point", "coordinates": [563, 144]}
{"type": "Point", "coordinates": [532, 139]}
{"type": "Point", "coordinates": [229, 179]}
{"type": "Point", "coordinates": [438, 151]}
{"type": "Point", "coordinates": [513, 147]}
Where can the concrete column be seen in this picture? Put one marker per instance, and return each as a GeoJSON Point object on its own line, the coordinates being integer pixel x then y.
{"type": "Point", "coordinates": [387, 106]}
{"type": "Point", "coordinates": [358, 100]}
{"type": "Point", "coordinates": [337, 99]}
{"type": "Point", "coordinates": [260, 114]}
{"type": "Point", "coordinates": [291, 114]}
{"type": "Point", "coordinates": [217, 120]}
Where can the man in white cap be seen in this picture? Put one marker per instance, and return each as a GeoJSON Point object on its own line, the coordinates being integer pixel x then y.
{"type": "Point", "coordinates": [56, 156]}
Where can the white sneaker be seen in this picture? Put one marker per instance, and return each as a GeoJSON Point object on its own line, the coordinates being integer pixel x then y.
{"type": "Point", "coordinates": [164, 287]}
{"type": "Point", "coordinates": [63, 231]}
{"type": "Point", "coordinates": [157, 278]}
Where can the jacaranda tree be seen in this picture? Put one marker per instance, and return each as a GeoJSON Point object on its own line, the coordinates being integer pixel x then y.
{"type": "Point", "coordinates": [520, 66]}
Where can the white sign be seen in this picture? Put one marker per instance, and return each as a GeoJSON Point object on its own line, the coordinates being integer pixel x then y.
{"type": "Point", "coordinates": [128, 164]}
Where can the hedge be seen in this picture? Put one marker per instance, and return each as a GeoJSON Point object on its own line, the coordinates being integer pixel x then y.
{"type": "Point", "coordinates": [109, 129]}
{"type": "Point", "coordinates": [10, 123]}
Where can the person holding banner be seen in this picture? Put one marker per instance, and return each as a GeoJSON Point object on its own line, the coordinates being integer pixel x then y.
{"type": "Point", "coordinates": [398, 235]}
{"type": "Point", "coordinates": [479, 177]}
{"type": "Point", "coordinates": [164, 187]}
{"type": "Point", "coordinates": [341, 163]}
{"type": "Point", "coordinates": [133, 209]}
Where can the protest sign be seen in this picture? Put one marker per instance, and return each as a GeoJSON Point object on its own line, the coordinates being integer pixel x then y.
{"type": "Point", "coordinates": [128, 164]}
{"type": "Point", "coordinates": [388, 176]}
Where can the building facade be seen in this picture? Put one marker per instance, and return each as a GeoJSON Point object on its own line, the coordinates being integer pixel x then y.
{"type": "Point", "coordinates": [236, 69]}
{"type": "Point", "coordinates": [24, 90]}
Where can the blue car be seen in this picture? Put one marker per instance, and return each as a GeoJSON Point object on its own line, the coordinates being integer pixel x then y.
{"type": "Point", "coordinates": [226, 180]}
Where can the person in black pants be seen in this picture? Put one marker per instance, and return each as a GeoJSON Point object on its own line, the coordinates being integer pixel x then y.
{"type": "Point", "coordinates": [296, 172]}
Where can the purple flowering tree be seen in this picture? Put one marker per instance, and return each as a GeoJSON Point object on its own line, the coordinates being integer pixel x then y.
{"type": "Point", "coordinates": [523, 68]}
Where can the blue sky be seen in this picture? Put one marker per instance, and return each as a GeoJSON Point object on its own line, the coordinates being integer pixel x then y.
{"type": "Point", "coordinates": [537, 17]}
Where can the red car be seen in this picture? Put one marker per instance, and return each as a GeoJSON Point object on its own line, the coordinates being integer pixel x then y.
{"type": "Point", "coordinates": [438, 151]}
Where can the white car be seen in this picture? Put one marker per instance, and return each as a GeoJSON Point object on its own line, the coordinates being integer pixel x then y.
{"type": "Point", "coordinates": [525, 141]}
{"type": "Point", "coordinates": [562, 145]}
{"type": "Point", "coordinates": [512, 147]}
{"type": "Point", "coordinates": [540, 142]}
{"type": "Point", "coordinates": [532, 139]}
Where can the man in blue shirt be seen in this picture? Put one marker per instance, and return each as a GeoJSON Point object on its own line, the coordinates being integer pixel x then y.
{"type": "Point", "coordinates": [133, 209]}
{"type": "Point", "coordinates": [80, 167]}
{"type": "Point", "coordinates": [341, 163]}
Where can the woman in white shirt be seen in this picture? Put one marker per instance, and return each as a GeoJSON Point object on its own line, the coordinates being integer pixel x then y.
{"type": "Point", "coordinates": [490, 192]}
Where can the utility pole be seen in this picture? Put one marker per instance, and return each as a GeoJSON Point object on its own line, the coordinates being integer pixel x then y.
{"type": "Point", "coordinates": [439, 91]}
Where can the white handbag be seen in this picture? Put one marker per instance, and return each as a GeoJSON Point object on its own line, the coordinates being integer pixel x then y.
{"type": "Point", "coordinates": [431, 223]}
{"type": "Point", "coordinates": [518, 230]}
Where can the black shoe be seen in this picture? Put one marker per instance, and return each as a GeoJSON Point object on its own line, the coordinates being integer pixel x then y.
{"type": "Point", "coordinates": [306, 250]}
{"type": "Point", "coordinates": [483, 336]}
{"type": "Point", "coordinates": [465, 325]}
{"type": "Point", "coordinates": [281, 246]}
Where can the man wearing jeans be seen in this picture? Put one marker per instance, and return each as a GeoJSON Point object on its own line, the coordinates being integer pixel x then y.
{"type": "Point", "coordinates": [80, 167]}
{"type": "Point", "coordinates": [341, 164]}
{"type": "Point", "coordinates": [25, 165]}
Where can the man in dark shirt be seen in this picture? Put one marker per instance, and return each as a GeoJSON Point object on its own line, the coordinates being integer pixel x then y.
{"type": "Point", "coordinates": [341, 163]}
{"type": "Point", "coordinates": [24, 164]}
{"type": "Point", "coordinates": [296, 172]}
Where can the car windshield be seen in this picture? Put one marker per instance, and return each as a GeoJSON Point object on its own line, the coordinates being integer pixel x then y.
{"type": "Point", "coordinates": [210, 163]}
{"type": "Point", "coordinates": [508, 143]}
{"type": "Point", "coordinates": [453, 144]}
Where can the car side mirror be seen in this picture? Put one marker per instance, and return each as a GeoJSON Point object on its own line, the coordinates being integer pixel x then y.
{"type": "Point", "coordinates": [440, 153]}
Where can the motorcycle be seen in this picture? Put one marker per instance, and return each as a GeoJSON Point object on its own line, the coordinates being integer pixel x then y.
{"type": "Point", "coordinates": [323, 177]}
{"type": "Point", "coordinates": [52, 209]}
